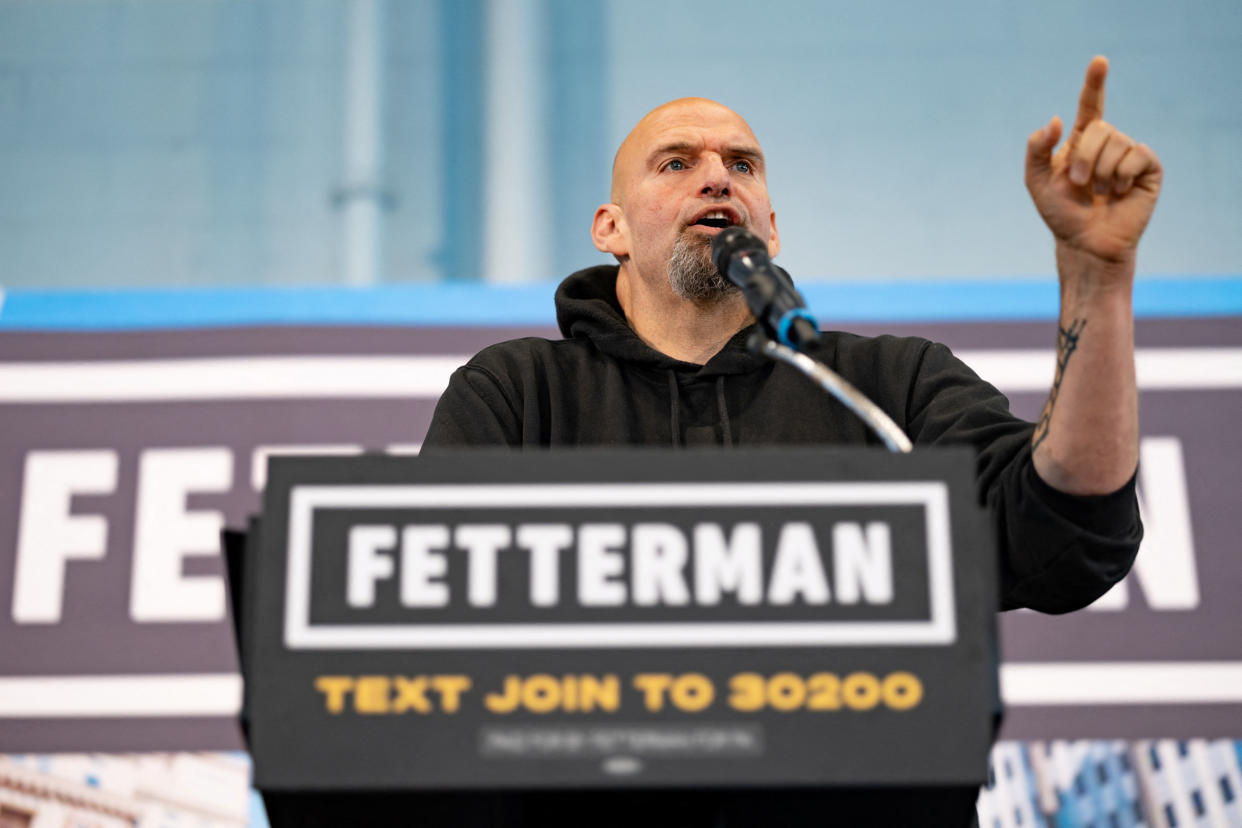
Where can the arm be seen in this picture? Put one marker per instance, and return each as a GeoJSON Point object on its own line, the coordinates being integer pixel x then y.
{"type": "Point", "coordinates": [1057, 552]}
{"type": "Point", "coordinates": [1096, 195]}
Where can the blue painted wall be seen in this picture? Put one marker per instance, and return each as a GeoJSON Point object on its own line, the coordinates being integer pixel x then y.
{"type": "Point", "coordinates": [199, 143]}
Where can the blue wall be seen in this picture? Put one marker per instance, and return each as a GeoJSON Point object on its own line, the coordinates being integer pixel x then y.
{"type": "Point", "coordinates": [199, 143]}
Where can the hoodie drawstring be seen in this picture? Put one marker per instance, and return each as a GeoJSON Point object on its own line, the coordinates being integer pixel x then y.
{"type": "Point", "coordinates": [674, 408]}
{"type": "Point", "coordinates": [674, 414]}
{"type": "Point", "coordinates": [724, 412]}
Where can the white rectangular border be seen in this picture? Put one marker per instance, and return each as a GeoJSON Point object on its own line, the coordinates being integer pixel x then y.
{"type": "Point", "coordinates": [1078, 684]}
{"type": "Point", "coordinates": [300, 634]}
{"type": "Point", "coordinates": [141, 696]}
{"type": "Point", "coordinates": [377, 376]}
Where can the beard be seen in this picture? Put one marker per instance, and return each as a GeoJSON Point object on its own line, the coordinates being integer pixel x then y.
{"type": "Point", "coordinates": [691, 272]}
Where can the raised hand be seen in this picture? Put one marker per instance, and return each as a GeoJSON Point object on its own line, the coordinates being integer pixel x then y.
{"type": "Point", "coordinates": [1098, 191]}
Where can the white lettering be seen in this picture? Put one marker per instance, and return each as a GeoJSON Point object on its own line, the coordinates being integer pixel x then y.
{"type": "Point", "coordinates": [1165, 566]}
{"type": "Point", "coordinates": [165, 533]}
{"type": "Point", "coordinates": [658, 558]}
{"type": "Point", "coordinates": [797, 568]}
{"type": "Point", "coordinates": [482, 542]}
{"type": "Point", "coordinates": [862, 565]}
{"type": "Point", "coordinates": [366, 562]}
{"type": "Point", "coordinates": [599, 560]}
{"type": "Point", "coordinates": [422, 566]}
{"type": "Point", "coordinates": [49, 534]}
{"type": "Point", "coordinates": [545, 542]}
{"type": "Point", "coordinates": [721, 566]}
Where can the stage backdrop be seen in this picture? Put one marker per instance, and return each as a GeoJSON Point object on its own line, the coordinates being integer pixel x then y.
{"type": "Point", "coordinates": [136, 424]}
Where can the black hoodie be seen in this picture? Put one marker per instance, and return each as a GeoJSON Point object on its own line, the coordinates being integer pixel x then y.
{"type": "Point", "coordinates": [603, 386]}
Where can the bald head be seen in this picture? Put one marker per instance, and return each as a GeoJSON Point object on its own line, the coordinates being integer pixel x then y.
{"type": "Point", "coordinates": [645, 139]}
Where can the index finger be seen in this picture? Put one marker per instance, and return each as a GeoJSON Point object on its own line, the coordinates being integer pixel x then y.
{"type": "Point", "coordinates": [1091, 101]}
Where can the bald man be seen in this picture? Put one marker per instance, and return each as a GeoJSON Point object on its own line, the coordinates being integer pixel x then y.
{"type": "Point", "coordinates": [689, 169]}
{"type": "Point", "coordinates": [655, 346]}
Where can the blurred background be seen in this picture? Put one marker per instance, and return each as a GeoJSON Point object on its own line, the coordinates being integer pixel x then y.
{"type": "Point", "coordinates": [317, 142]}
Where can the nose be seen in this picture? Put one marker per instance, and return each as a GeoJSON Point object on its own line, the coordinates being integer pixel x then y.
{"type": "Point", "coordinates": [715, 176]}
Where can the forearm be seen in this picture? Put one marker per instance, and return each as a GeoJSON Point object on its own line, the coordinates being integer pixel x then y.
{"type": "Point", "coordinates": [1086, 441]}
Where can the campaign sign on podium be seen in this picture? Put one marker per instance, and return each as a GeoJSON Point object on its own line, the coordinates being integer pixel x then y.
{"type": "Point", "coordinates": [636, 618]}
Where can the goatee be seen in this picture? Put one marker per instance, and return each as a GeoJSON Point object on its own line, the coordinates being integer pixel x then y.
{"type": "Point", "coordinates": [691, 272]}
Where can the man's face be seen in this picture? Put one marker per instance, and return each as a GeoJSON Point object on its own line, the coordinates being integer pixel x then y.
{"type": "Point", "coordinates": [687, 171]}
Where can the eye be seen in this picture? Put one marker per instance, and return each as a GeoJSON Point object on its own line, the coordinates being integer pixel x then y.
{"type": "Point", "coordinates": [676, 164]}
{"type": "Point", "coordinates": [742, 166]}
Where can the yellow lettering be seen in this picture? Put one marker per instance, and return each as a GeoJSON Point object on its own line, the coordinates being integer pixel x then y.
{"type": "Point", "coordinates": [692, 692]}
{"type": "Point", "coordinates": [541, 693]}
{"type": "Point", "coordinates": [605, 694]}
{"type": "Point", "coordinates": [450, 688]}
{"type": "Point", "coordinates": [825, 692]}
{"type": "Point", "coordinates": [371, 694]}
{"type": "Point", "coordinates": [507, 701]}
{"type": "Point", "coordinates": [746, 692]}
{"type": "Point", "coordinates": [902, 690]}
{"type": "Point", "coordinates": [861, 691]}
{"type": "Point", "coordinates": [334, 689]}
{"type": "Point", "coordinates": [786, 691]}
{"type": "Point", "coordinates": [410, 694]}
{"type": "Point", "coordinates": [653, 686]}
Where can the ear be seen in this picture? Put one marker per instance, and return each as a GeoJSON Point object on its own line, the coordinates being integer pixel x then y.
{"type": "Point", "coordinates": [608, 230]}
{"type": "Point", "coordinates": [774, 238]}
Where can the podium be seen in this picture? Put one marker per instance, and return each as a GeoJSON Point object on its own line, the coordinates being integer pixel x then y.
{"type": "Point", "coordinates": [619, 637]}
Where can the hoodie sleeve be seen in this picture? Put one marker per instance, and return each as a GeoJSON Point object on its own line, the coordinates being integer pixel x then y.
{"type": "Point", "coordinates": [1058, 552]}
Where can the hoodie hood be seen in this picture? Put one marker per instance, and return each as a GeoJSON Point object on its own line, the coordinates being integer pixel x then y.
{"type": "Point", "coordinates": [587, 309]}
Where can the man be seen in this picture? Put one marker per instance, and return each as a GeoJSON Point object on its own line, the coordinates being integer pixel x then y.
{"type": "Point", "coordinates": [655, 350]}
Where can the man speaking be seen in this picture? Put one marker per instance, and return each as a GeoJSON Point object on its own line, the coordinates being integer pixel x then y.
{"type": "Point", "coordinates": [655, 346]}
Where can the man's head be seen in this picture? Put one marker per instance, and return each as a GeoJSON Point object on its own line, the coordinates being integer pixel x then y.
{"type": "Point", "coordinates": [689, 169]}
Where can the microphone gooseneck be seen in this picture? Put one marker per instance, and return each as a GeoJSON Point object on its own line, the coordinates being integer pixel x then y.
{"type": "Point", "coordinates": [742, 258]}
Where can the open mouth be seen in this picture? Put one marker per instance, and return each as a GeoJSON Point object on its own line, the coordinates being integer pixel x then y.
{"type": "Point", "coordinates": [717, 219]}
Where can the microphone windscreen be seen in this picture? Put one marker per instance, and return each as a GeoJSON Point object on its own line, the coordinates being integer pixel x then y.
{"type": "Point", "coordinates": [731, 241]}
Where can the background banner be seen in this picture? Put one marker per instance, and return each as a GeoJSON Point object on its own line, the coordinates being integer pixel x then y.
{"type": "Point", "coordinates": [123, 453]}
{"type": "Point", "coordinates": [134, 424]}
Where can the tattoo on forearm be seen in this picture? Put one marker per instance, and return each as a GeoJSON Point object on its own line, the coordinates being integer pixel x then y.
{"type": "Point", "coordinates": [1067, 343]}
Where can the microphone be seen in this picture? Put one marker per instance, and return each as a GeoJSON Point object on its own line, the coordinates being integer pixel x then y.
{"type": "Point", "coordinates": [742, 258]}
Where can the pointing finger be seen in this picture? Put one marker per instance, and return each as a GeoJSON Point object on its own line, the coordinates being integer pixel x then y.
{"type": "Point", "coordinates": [1091, 100]}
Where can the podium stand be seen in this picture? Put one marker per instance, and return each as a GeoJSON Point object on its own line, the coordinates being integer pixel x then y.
{"type": "Point", "coordinates": [605, 637]}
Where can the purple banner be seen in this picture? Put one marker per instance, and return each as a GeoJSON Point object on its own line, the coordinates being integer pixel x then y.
{"type": "Point", "coordinates": [122, 455]}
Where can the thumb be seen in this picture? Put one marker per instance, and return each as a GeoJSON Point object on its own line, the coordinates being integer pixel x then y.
{"type": "Point", "coordinates": [1039, 153]}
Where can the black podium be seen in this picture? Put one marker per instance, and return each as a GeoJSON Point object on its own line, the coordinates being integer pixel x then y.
{"type": "Point", "coordinates": [606, 637]}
